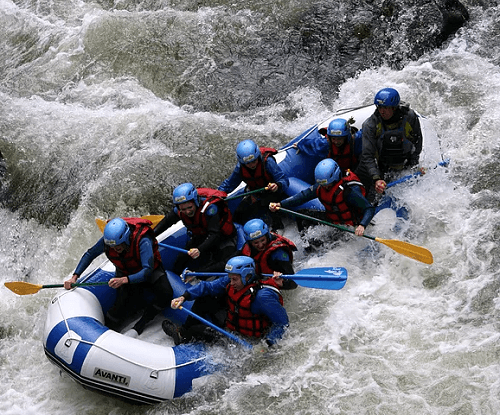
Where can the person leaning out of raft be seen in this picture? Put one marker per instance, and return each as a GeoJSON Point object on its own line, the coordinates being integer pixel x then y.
{"type": "Point", "coordinates": [129, 243]}
{"type": "Point", "coordinates": [212, 234]}
{"type": "Point", "coordinates": [258, 169]}
{"type": "Point", "coordinates": [254, 307]}
{"type": "Point", "coordinates": [342, 195]}
{"type": "Point", "coordinates": [392, 141]}
{"type": "Point", "coordinates": [272, 253]}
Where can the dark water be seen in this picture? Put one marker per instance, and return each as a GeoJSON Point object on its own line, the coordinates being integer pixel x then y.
{"type": "Point", "coordinates": [106, 106]}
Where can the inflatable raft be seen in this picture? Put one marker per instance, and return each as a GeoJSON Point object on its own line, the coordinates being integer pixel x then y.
{"type": "Point", "coordinates": [76, 340]}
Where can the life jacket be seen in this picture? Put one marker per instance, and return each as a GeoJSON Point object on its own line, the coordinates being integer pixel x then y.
{"type": "Point", "coordinates": [344, 155]}
{"type": "Point", "coordinates": [394, 142]}
{"type": "Point", "coordinates": [198, 224]}
{"type": "Point", "coordinates": [333, 199]}
{"type": "Point", "coordinates": [129, 261]}
{"type": "Point", "coordinates": [276, 242]}
{"type": "Point", "coordinates": [259, 177]}
{"type": "Point", "coordinates": [239, 317]}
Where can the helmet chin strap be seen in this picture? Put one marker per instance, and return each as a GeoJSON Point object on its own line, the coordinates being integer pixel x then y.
{"type": "Point", "coordinates": [251, 279]}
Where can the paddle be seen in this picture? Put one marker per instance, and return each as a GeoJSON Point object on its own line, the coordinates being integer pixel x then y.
{"type": "Point", "coordinates": [403, 179]}
{"type": "Point", "coordinates": [25, 288]}
{"type": "Point", "coordinates": [300, 139]}
{"type": "Point", "coordinates": [222, 331]}
{"type": "Point", "coordinates": [155, 219]}
{"type": "Point", "coordinates": [325, 278]}
{"type": "Point", "coordinates": [404, 248]}
{"type": "Point", "coordinates": [185, 251]}
{"type": "Point", "coordinates": [246, 193]}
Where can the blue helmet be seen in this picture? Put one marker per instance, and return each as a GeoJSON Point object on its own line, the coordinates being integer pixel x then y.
{"type": "Point", "coordinates": [185, 193]}
{"type": "Point", "coordinates": [247, 151]}
{"type": "Point", "coordinates": [254, 229]}
{"type": "Point", "coordinates": [116, 232]}
{"type": "Point", "coordinates": [338, 128]}
{"type": "Point", "coordinates": [243, 266]}
{"type": "Point", "coordinates": [326, 172]}
{"type": "Point", "coordinates": [387, 97]}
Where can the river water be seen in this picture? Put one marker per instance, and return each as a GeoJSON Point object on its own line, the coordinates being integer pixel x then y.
{"type": "Point", "coordinates": [104, 108]}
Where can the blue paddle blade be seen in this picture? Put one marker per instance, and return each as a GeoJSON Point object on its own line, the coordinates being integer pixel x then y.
{"type": "Point", "coordinates": [324, 278]}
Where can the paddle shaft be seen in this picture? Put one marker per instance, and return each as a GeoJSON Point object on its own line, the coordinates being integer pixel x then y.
{"type": "Point", "coordinates": [307, 135]}
{"type": "Point", "coordinates": [83, 284]}
{"type": "Point", "coordinates": [245, 194]}
{"type": "Point", "coordinates": [175, 248]}
{"type": "Point", "coordinates": [223, 274]}
{"type": "Point", "coordinates": [217, 328]}
{"type": "Point", "coordinates": [324, 222]}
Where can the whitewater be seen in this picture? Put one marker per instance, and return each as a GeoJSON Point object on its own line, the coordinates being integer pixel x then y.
{"type": "Point", "coordinates": [83, 139]}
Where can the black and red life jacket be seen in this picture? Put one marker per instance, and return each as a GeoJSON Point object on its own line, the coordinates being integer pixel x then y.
{"type": "Point", "coordinates": [276, 242]}
{"type": "Point", "coordinates": [129, 261]}
{"type": "Point", "coordinates": [240, 317]}
{"type": "Point", "coordinates": [344, 155]}
{"type": "Point", "coordinates": [333, 199]}
{"type": "Point", "coordinates": [197, 225]}
{"type": "Point", "coordinates": [259, 177]}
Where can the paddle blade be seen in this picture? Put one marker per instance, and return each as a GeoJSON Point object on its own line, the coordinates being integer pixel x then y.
{"type": "Point", "coordinates": [155, 219]}
{"type": "Point", "coordinates": [23, 288]}
{"type": "Point", "coordinates": [101, 224]}
{"type": "Point", "coordinates": [323, 278]}
{"type": "Point", "coordinates": [411, 251]}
